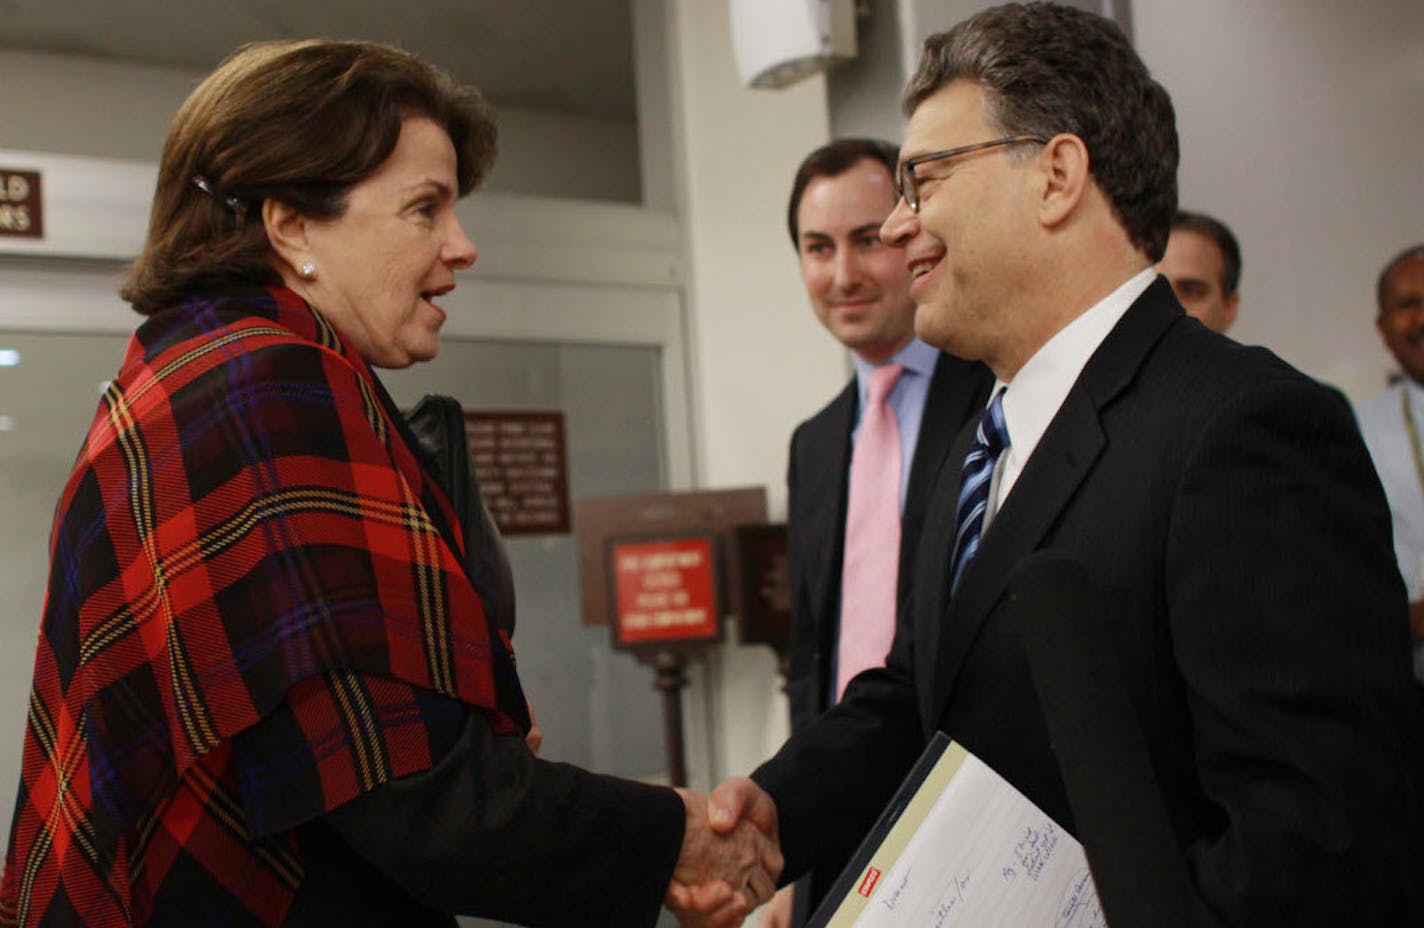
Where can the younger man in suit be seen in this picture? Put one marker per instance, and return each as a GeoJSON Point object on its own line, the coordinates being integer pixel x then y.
{"type": "Point", "coordinates": [846, 573]}
{"type": "Point", "coordinates": [1222, 505]}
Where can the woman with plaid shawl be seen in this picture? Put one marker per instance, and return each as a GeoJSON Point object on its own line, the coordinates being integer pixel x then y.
{"type": "Point", "coordinates": [266, 691]}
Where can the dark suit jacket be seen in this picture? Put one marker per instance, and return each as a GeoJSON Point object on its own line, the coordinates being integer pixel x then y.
{"type": "Point", "coordinates": [1227, 514]}
{"type": "Point", "coordinates": [490, 831]}
{"type": "Point", "coordinates": [816, 481]}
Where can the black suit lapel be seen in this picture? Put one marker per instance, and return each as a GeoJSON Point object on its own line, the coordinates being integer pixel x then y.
{"type": "Point", "coordinates": [1046, 485]}
{"type": "Point", "coordinates": [825, 534]}
{"type": "Point", "coordinates": [1063, 458]}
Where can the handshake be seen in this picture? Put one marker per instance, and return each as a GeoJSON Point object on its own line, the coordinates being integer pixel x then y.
{"type": "Point", "coordinates": [731, 855]}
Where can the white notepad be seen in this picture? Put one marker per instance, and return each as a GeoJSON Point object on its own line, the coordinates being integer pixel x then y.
{"type": "Point", "coordinates": [960, 846]}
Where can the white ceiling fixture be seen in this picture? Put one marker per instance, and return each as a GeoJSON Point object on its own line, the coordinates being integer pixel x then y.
{"type": "Point", "coordinates": [779, 42]}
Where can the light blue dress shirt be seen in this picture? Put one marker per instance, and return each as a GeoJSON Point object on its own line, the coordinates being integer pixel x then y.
{"type": "Point", "coordinates": [907, 399]}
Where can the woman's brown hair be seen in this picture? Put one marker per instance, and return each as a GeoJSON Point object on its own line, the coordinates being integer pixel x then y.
{"type": "Point", "coordinates": [297, 122]}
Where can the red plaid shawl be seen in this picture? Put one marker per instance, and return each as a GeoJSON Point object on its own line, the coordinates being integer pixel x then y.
{"type": "Point", "coordinates": [256, 611]}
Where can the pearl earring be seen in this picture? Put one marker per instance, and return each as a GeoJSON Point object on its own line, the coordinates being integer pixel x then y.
{"type": "Point", "coordinates": [307, 270]}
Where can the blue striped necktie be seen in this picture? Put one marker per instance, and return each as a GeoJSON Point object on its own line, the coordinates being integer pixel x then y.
{"type": "Point", "coordinates": [990, 440]}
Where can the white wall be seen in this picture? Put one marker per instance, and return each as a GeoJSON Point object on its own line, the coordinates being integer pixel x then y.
{"type": "Point", "coordinates": [1302, 127]}
{"type": "Point", "coordinates": [864, 93]}
{"type": "Point", "coordinates": [760, 361]}
{"type": "Point", "coordinates": [86, 106]}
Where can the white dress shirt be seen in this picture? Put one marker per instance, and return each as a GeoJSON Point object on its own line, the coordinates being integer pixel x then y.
{"type": "Point", "coordinates": [1381, 419]}
{"type": "Point", "coordinates": [1041, 385]}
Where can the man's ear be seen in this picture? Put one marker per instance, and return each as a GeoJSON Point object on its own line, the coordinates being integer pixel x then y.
{"type": "Point", "coordinates": [1064, 162]}
{"type": "Point", "coordinates": [1233, 303]}
{"type": "Point", "coordinates": [287, 232]}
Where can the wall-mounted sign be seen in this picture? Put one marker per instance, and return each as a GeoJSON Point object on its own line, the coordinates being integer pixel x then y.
{"type": "Point", "coordinates": [21, 215]}
{"type": "Point", "coordinates": [522, 467]}
{"type": "Point", "coordinates": [664, 591]}
{"type": "Point", "coordinates": [658, 515]}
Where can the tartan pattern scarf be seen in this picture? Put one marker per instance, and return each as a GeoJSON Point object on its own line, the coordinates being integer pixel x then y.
{"type": "Point", "coordinates": [256, 611]}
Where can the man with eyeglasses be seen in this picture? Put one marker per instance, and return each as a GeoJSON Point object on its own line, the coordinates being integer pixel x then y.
{"type": "Point", "coordinates": [1391, 423]}
{"type": "Point", "coordinates": [860, 470]}
{"type": "Point", "coordinates": [1221, 504]}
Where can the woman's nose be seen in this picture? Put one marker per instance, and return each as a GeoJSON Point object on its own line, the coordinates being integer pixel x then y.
{"type": "Point", "coordinates": [460, 252]}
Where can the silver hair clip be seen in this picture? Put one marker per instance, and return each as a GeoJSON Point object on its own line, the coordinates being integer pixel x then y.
{"type": "Point", "coordinates": [232, 203]}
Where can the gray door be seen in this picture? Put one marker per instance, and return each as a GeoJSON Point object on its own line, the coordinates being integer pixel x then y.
{"type": "Point", "coordinates": [597, 707]}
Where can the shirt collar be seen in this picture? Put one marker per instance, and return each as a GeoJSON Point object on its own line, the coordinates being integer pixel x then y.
{"type": "Point", "coordinates": [1041, 385]}
{"type": "Point", "coordinates": [916, 357]}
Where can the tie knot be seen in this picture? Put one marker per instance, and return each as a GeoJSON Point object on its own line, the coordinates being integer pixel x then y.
{"type": "Point", "coordinates": [882, 381]}
{"type": "Point", "coordinates": [993, 430]}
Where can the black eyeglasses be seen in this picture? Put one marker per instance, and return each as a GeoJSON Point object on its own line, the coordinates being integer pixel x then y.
{"type": "Point", "coordinates": [910, 184]}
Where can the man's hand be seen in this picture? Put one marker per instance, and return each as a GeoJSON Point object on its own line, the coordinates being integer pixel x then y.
{"type": "Point", "coordinates": [738, 799]}
{"type": "Point", "coordinates": [728, 866]}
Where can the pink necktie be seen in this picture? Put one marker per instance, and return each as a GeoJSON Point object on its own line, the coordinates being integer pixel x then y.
{"type": "Point", "coordinates": [871, 566]}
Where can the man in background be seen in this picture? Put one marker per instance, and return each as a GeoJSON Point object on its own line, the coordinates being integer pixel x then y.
{"type": "Point", "coordinates": [1391, 422]}
{"type": "Point", "coordinates": [860, 469]}
{"type": "Point", "coordinates": [1203, 262]}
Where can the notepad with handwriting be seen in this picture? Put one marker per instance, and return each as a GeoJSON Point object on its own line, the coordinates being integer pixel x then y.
{"type": "Point", "coordinates": [960, 846]}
